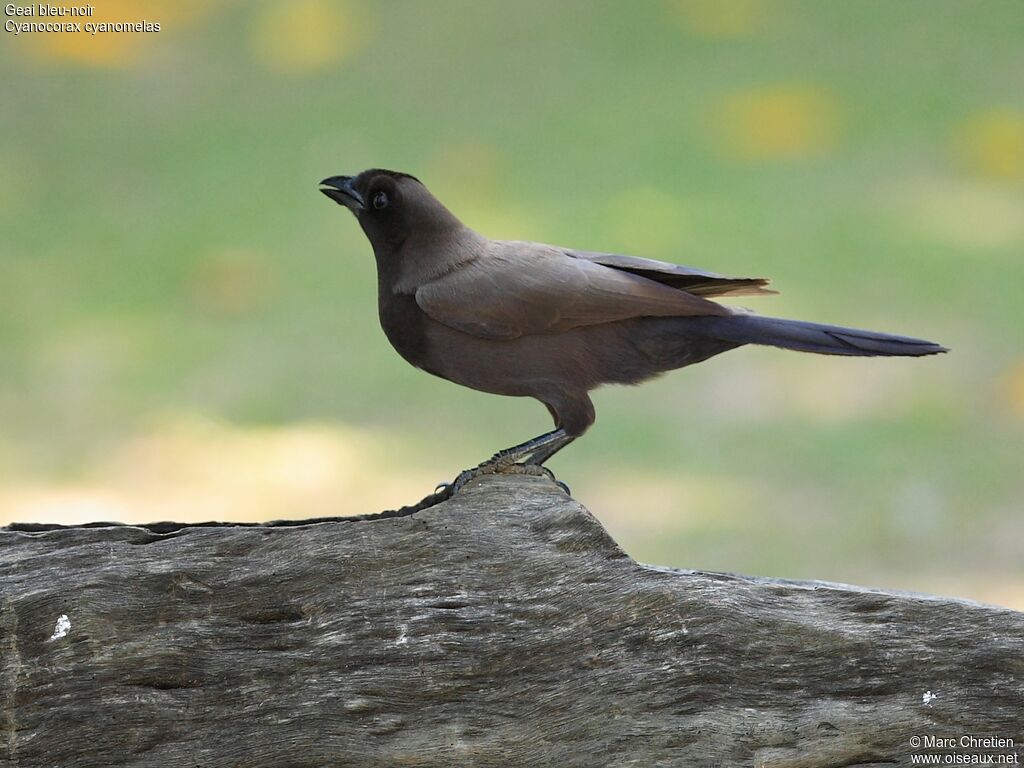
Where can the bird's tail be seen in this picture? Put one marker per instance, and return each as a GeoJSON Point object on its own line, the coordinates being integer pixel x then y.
{"type": "Point", "coordinates": [815, 337]}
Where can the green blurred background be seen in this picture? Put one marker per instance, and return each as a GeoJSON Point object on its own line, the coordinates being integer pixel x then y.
{"type": "Point", "coordinates": [188, 328]}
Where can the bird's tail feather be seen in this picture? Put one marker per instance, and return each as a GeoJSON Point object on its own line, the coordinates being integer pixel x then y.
{"type": "Point", "coordinates": [818, 338]}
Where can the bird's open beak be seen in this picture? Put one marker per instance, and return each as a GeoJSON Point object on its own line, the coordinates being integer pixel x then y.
{"type": "Point", "coordinates": [341, 191]}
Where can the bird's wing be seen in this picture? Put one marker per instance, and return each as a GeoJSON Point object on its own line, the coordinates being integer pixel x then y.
{"type": "Point", "coordinates": [695, 281]}
{"type": "Point", "coordinates": [517, 289]}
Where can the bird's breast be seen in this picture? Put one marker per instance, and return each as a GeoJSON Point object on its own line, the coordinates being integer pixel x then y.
{"type": "Point", "coordinates": [405, 325]}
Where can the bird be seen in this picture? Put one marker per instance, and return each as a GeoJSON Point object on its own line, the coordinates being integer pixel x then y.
{"type": "Point", "coordinates": [528, 319]}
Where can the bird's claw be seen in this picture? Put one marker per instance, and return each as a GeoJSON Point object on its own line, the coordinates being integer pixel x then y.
{"type": "Point", "coordinates": [538, 470]}
{"type": "Point", "coordinates": [447, 490]}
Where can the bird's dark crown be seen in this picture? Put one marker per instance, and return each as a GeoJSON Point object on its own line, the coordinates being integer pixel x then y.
{"type": "Point", "coordinates": [371, 172]}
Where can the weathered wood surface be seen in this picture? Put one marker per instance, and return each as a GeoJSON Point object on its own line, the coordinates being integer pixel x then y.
{"type": "Point", "coordinates": [501, 628]}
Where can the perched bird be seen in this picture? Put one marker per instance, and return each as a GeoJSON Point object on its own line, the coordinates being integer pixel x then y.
{"type": "Point", "coordinates": [534, 320]}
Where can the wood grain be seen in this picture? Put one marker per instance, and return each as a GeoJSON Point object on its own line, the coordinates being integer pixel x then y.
{"type": "Point", "coordinates": [500, 628]}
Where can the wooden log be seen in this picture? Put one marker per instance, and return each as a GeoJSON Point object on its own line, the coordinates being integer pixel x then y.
{"type": "Point", "coordinates": [500, 628]}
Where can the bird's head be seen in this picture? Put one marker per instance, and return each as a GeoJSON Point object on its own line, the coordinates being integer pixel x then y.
{"type": "Point", "coordinates": [390, 206]}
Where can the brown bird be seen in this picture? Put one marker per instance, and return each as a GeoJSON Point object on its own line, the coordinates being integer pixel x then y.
{"type": "Point", "coordinates": [534, 320]}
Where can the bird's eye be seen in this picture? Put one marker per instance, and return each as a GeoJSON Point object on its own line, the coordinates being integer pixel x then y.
{"type": "Point", "coordinates": [380, 200]}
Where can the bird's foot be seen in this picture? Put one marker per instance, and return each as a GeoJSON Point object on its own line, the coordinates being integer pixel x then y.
{"type": "Point", "coordinates": [497, 467]}
{"type": "Point", "coordinates": [523, 459]}
{"type": "Point", "coordinates": [538, 470]}
{"type": "Point", "coordinates": [499, 462]}
{"type": "Point", "coordinates": [450, 489]}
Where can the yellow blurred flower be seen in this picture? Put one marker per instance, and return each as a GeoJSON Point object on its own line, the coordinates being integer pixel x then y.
{"type": "Point", "coordinates": [1012, 390]}
{"type": "Point", "coordinates": [113, 49]}
{"type": "Point", "coordinates": [992, 144]}
{"type": "Point", "coordinates": [305, 36]}
{"type": "Point", "coordinates": [719, 19]}
{"type": "Point", "coordinates": [783, 121]}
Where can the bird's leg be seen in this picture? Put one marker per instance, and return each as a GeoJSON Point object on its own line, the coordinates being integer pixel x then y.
{"type": "Point", "coordinates": [533, 453]}
{"type": "Point", "coordinates": [547, 444]}
{"type": "Point", "coordinates": [544, 452]}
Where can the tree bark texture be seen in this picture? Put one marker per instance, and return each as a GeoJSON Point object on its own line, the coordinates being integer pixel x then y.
{"type": "Point", "coordinates": [502, 627]}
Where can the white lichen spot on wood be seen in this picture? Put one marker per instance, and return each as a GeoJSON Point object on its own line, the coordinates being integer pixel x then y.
{"type": "Point", "coordinates": [403, 636]}
{"type": "Point", "coordinates": [663, 635]}
{"type": "Point", "coordinates": [62, 628]}
{"type": "Point", "coordinates": [358, 705]}
{"type": "Point", "coordinates": [928, 697]}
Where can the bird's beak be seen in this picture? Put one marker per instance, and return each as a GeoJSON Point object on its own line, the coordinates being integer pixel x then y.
{"type": "Point", "coordinates": [341, 191]}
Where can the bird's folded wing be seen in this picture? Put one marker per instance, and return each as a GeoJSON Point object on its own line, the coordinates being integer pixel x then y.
{"type": "Point", "coordinates": [696, 281]}
{"type": "Point", "coordinates": [519, 289]}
